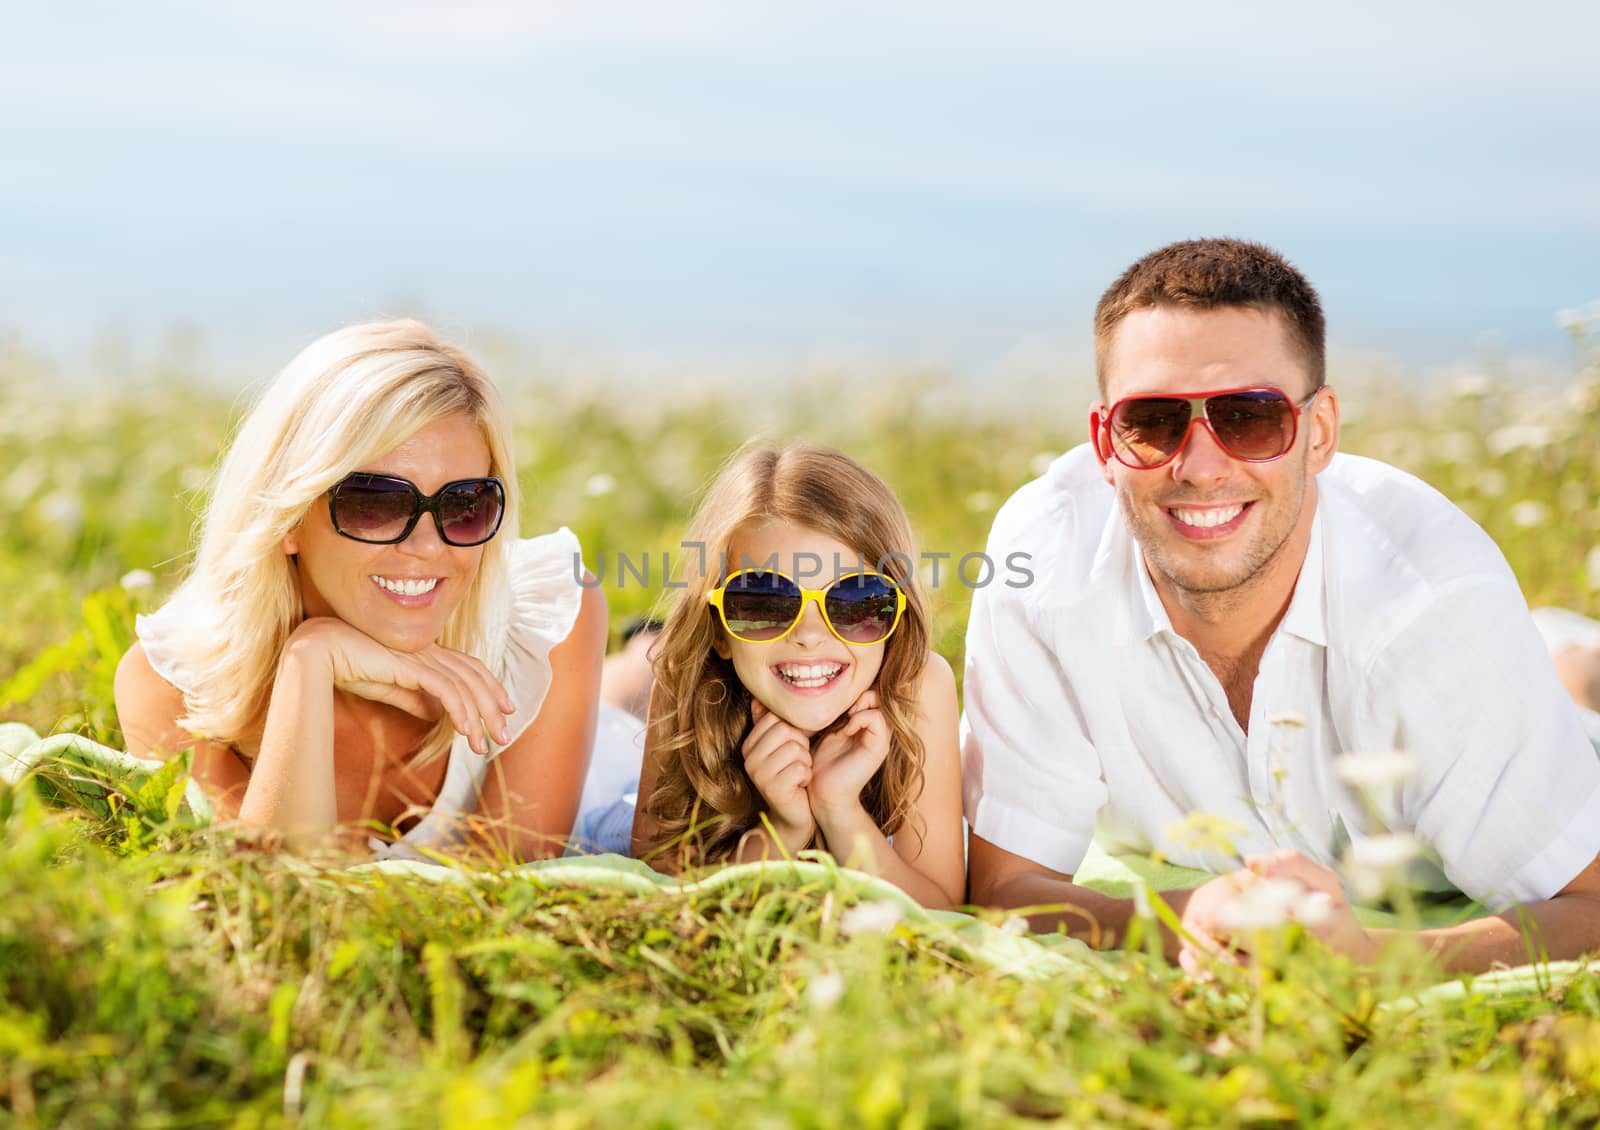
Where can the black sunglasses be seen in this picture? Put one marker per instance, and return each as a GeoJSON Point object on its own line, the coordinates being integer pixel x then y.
{"type": "Point", "coordinates": [384, 509]}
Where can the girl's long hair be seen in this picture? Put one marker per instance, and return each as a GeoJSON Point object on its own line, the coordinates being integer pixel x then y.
{"type": "Point", "coordinates": [347, 399]}
{"type": "Point", "coordinates": [704, 800]}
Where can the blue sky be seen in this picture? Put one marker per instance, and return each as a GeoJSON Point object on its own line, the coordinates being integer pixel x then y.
{"type": "Point", "coordinates": [680, 186]}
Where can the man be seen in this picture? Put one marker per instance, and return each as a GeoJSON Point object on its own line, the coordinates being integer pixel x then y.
{"type": "Point", "coordinates": [1222, 606]}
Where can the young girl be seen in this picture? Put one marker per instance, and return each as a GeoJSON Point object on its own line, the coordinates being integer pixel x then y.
{"type": "Point", "coordinates": [796, 701]}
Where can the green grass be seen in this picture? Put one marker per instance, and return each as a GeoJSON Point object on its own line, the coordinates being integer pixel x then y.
{"type": "Point", "coordinates": [153, 974]}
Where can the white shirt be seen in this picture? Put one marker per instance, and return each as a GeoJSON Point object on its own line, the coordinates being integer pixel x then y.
{"type": "Point", "coordinates": [1406, 631]}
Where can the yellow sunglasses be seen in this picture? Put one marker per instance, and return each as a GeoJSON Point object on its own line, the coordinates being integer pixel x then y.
{"type": "Point", "coordinates": [762, 605]}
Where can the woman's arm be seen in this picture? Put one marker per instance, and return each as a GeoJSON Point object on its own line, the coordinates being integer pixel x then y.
{"type": "Point", "coordinates": [530, 796]}
{"type": "Point", "coordinates": [925, 858]}
{"type": "Point", "coordinates": [148, 708]}
{"type": "Point", "coordinates": [290, 787]}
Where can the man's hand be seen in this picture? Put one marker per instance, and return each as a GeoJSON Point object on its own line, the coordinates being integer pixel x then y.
{"type": "Point", "coordinates": [1270, 891]}
{"type": "Point", "coordinates": [1331, 917]}
{"type": "Point", "coordinates": [1204, 917]}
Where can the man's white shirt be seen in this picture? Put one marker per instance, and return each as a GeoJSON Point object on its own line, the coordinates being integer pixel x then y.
{"type": "Point", "coordinates": [1407, 631]}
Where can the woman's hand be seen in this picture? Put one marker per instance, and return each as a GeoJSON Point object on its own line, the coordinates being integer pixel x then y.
{"type": "Point", "coordinates": [436, 680]}
{"type": "Point", "coordinates": [846, 759]}
{"type": "Point", "coordinates": [777, 757]}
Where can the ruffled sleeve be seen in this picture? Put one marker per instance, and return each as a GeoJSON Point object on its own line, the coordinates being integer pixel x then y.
{"type": "Point", "coordinates": [158, 631]}
{"type": "Point", "coordinates": [545, 599]}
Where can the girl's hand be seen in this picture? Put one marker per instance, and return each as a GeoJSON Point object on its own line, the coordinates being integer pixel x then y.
{"type": "Point", "coordinates": [436, 680]}
{"type": "Point", "coordinates": [846, 759]}
{"type": "Point", "coordinates": [778, 759]}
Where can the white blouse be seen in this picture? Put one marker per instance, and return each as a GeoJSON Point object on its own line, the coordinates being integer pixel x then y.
{"type": "Point", "coordinates": [545, 597]}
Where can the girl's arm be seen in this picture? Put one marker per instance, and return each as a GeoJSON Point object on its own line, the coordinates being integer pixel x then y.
{"type": "Point", "coordinates": [530, 796]}
{"type": "Point", "coordinates": [926, 859]}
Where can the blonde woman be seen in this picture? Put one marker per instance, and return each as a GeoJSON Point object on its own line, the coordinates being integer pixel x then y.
{"type": "Point", "coordinates": [787, 716]}
{"type": "Point", "coordinates": [363, 638]}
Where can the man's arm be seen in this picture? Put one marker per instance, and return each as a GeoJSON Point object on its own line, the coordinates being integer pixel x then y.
{"type": "Point", "coordinates": [1003, 880]}
{"type": "Point", "coordinates": [1564, 926]}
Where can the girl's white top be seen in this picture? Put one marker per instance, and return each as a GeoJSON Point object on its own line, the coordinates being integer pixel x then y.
{"type": "Point", "coordinates": [545, 597]}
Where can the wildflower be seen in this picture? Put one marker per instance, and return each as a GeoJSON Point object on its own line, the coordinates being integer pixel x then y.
{"type": "Point", "coordinates": [1592, 567]}
{"type": "Point", "coordinates": [1585, 396]}
{"type": "Point", "coordinates": [1456, 447]}
{"type": "Point", "coordinates": [1515, 437]}
{"type": "Point", "coordinates": [62, 511]}
{"type": "Point", "coordinates": [1264, 905]}
{"type": "Point", "coordinates": [1016, 926]}
{"type": "Point", "coordinates": [981, 501]}
{"type": "Point", "coordinates": [1315, 909]}
{"type": "Point", "coordinates": [1042, 460]}
{"type": "Point", "coordinates": [1471, 385]}
{"type": "Point", "coordinates": [600, 484]}
{"type": "Point", "coordinates": [139, 580]}
{"type": "Point", "coordinates": [1529, 513]}
{"type": "Point", "coordinates": [825, 990]}
{"type": "Point", "coordinates": [1373, 863]}
{"type": "Point", "coordinates": [1374, 772]}
{"type": "Point", "coordinates": [1491, 483]}
{"type": "Point", "coordinates": [1385, 852]}
{"type": "Point", "coordinates": [1202, 831]}
{"type": "Point", "coordinates": [878, 917]}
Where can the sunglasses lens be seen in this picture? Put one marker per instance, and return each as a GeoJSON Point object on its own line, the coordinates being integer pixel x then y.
{"type": "Point", "coordinates": [1258, 424]}
{"type": "Point", "coordinates": [862, 608]}
{"type": "Point", "coordinates": [470, 512]}
{"type": "Point", "coordinates": [373, 508]}
{"type": "Point", "coordinates": [1148, 431]}
{"type": "Point", "coordinates": [758, 607]}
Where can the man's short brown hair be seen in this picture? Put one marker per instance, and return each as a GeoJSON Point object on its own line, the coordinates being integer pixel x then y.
{"type": "Point", "coordinates": [1205, 274]}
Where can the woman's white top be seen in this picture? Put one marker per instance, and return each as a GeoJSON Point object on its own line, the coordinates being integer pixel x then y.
{"type": "Point", "coordinates": [545, 596]}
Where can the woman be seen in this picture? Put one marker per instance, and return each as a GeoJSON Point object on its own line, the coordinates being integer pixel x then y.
{"type": "Point", "coordinates": [363, 638]}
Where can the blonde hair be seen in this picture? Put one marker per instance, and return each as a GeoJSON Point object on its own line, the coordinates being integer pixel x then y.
{"type": "Point", "coordinates": [704, 798]}
{"type": "Point", "coordinates": [347, 399]}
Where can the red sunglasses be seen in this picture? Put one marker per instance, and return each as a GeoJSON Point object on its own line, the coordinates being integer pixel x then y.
{"type": "Point", "coordinates": [1255, 425]}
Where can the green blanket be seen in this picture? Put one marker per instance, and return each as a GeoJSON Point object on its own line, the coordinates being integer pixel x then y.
{"type": "Point", "coordinates": [75, 772]}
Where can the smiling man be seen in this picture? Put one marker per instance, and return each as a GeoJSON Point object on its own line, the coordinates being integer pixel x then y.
{"type": "Point", "coordinates": [1222, 607]}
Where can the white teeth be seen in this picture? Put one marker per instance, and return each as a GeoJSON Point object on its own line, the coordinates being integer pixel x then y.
{"type": "Point", "coordinates": [809, 674]}
{"type": "Point", "coordinates": [1205, 518]}
{"type": "Point", "coordinates": [414, 587]}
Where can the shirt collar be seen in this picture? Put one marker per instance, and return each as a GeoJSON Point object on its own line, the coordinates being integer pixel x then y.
{"type": "Point", "coordinates": [1120, 575]}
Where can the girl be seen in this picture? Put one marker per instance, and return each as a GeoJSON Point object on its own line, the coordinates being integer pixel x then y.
{"type": "Point", "coordinates": [362, 636]}
{"type": "Point", "coordinates": [787, 716]}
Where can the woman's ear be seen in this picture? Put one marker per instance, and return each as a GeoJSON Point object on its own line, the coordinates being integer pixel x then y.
{"type": "Point", "coordinates": [720, 645]}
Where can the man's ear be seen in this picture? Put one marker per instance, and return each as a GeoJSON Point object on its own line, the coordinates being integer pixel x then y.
{"type": "Point", "coordinates": [1322, 431]}
{"type": "Point", "coordinates": [1100, 440]}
